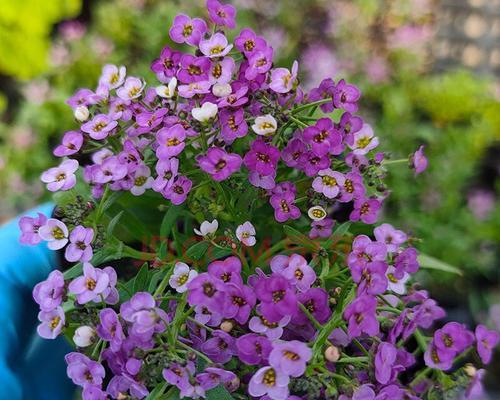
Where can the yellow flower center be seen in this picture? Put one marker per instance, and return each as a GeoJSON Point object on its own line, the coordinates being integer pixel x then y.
{"type": "Point", "coordinates": [329, 180]}
{"type": "Point", "coordinates": [363, 142]}
{"type": "Point", "coordinates": [57, 233]}
{"type": "Point", "coordinates": [269, 378]}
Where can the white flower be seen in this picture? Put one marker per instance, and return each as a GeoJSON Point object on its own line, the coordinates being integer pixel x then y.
{"type": "Point", "coordinates": [167, 91]}
{"type": "Point", "coordinates": [396, 285]}
{"type": "Point", "coordinates": [181, 277]}
{"type": "Point", "coordinates": [206, 112]}
{"type": "Point", "coordinates": [246, 233]}
{"type": "Point", "coordinates": [222, 89]}
{"type": "Point", "coordinates": [142, 180]}
{"type": "Point", "coordinates": [207, 228]}
{"type": "Point", "coordinates": [84, 336]}
{"type": "Point", "coordinates": [81, 113]}
{"type": "Point", "coordinates": [317, 213]}
{"type": "Point", "coordinates": [265, 125]}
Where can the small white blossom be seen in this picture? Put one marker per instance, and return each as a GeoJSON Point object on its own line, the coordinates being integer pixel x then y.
{"type": "Point", "coordinates": [84, 336]}
{"type": "Point", "coordinates": [207, 228]}
{"type": "Point", "coordinates": [167, 91]}
{"type": "Point", "coordinates": [81, 113]}
{"type": "Point", "coordinates": [181, 277]}
{"type": "Point", "coordinates": [317, 213]}
{"type": "Point", "coordinates": [265, 125]}
{"type": "Point", "coordinates": [396, 285]}
{"type": "Point", "coordinates": [222, 89]}
{"type": "Point", "coordinates": [246, 233]}
{"type": "Point", "coordinates": [206, 112]}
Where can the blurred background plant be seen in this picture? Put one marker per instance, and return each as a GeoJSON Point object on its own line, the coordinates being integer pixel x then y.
{"type": "Point", "coordinates": [386, 47]}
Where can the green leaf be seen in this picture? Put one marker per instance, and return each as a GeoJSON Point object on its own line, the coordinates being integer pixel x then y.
{"type": "Point", "coordinates": [169, 219]}
{"type": "Point", "coordinates": [428, 262]}
{"type": "Point", "coordinates": [340, 231]}
{"type": "Point", "coordinates": [155, 279]}
{"type": "Point", "coordinates": [197, 250]}
{"type": "Point", "coordinates": [157, 392]}
{"type": "Point", "coordinates": [141, 279]}
{"type": "Point", "coordinates": [112, 224]}
{"type": "Point", "coordinates": [298, 237]}
{"type": "Point", "coordinates": [219, 393]}
{"type": "Point", "coordinates": [217, 253]}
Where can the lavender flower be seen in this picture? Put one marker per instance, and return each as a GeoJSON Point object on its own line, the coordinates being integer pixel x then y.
{"type": "Point", "coordinates": [83, 371]}
{"type": "Point", "coordinates": [79, 248]}
{"type": "Point", "coordinates": [270, 381]}
{"type": "Point", "coordinates": [29, 227]}
{"type": "Point", "coordinates": [52, 323]}
{"type": "Point", "coordinates": [61, 177]}
{"type": "Point", "coordinates": [49, 293]}
{"type": "Point", "coordinates": [55, 233]}
{"type": "Point", "coordinates": [290, 357]}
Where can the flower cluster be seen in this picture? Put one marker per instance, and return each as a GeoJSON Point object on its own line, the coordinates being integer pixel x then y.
{"type": "Point", "coordinates": [230, 143]}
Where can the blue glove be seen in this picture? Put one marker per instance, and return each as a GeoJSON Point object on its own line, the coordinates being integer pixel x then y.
{"type": "Point", "coordinates": [30, 367]}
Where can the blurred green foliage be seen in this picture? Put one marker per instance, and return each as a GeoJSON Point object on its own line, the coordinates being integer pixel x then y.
{"type": "Point", "coordinates": [25, 28]}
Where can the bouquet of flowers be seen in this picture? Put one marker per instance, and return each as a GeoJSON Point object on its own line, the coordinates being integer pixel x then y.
{"type": "Point", "coordinates": [218, 197]}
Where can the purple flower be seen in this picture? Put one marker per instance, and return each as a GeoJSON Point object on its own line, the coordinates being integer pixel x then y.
{"type": "Point", "coordinates": [353, 187]}
{"type": "Point", "coordinates": [290, 357]}
{"type": "Point", "coordinates": [325, 90]}
{"type": "Point", "coordinates": [99, 127]}
{"type": "Point", "coordinates": [227, 271]}
{"type": "Point", "coordinates": [29, 227]}
{"type": "Point", "coordinates": [220, 348]}
{"type": "Point", "coordinates": [346, 96]}
{"type": "Point", "coordinates": [79, 248]}
{"type": "Point", "coordinates": [453, 337]}
{"type": "Point", "coordinates": [178, 191]}
{"type": "Point", "coordinates": [91, 286]}
{"type": "Point", "coordinates": [282, 79]}
{"type": "Point", "coordinates": [259, 63]}
{"type": "Point", "coordinates": [262, 158]}
{"type": "Point", "coordinates": [299, 273]}
{"type": "Point", "coordinates": [419, 161]}
{"type": "Point", "coordinates": [208, 291]}
{"type": "Point", "coordinates": [233, 125]}
{"type": "Point", "coordinates": [270, 381]}
{"type": "Point", "coordinates": [187, 30]}
{"type": "Point", "coordinates": [165, 67]}
{"type": "Point", "coordinates": [219, 164]}
{"type": "Point", "coordinates": [83, 371]}
{"type": "Point", "coordinates": [389, 362]}
{"type": "Point", "coordinates": [215, 46]}
{"type": "Point", "coordinates": [284, 208]}
{"type": "Point", "coordinates": [322, 137]}
{"type": "Point", "coordinates": [277, 297]}
{"type": "Point", "coordinates": [167, 170]}
{"type": "Point", "coordinates": [293, 152]}
{"type": "Point", "coordinates": [316, 302]}
{"type": "Point", "coordinates": [212, 377]}
{"type": "Point", "coordinates": [61, 177]}
{"type": "Point", "coordinates": [365, 251]}
{"type": "Point", "coordinates": [248, 42]}
{"type": "Point", "coordinates": [361, 316]}
{"type": "Point", "coordinates": [392, 238]}
{"type": "Point", "coordinates": [194, 88]}
{"type": "Point", "coordinates": [328, 183]}
{"type": "Point", "coordinates": [71, 143]}
{"type": "Point", "coordinates": [437, 359]}
{"type": "Point", "coordinates": [146, 318]}
{"type": "Point", "coordinates": [240, 301]}
{"type": "Point", "coordinates": [253, 349]}
{"type": "Point", "coordinates": [486, 342]}
{"type": "Point", "coordinates": [312, 163]}
{"type": "Point", "coordinates": [110, 329]}
{"type": "Point", "coordinates": [93, 393]}
{"type": "Point", "coordinates": [407, 261]}
{"type": "Point", "coordinates": [349, 124]}
{"type": "Point", "coordinates": [131, 89]}
{"type": "Point", "coordinates": [49, 293]}
{"type": "Point", "coordinates": [321, 229]}
{"type": "Point", "coordinates": [371, 278]}
{"type": "Point", "coordinates": [222, 14]}
{"type": "Point", "coordinates": [178, 375]}
{"type": "Point", "coordinates": [193, 69]}
{"type": "Point", "coordinates": [52, 323]}
{"type": "Point", "coordinates": [55, 233]}
{"type": "Point", "coordinates": [366, 210]}
{"type": "Point", "coordinates": [170, 141]}
{"type": "Point", "coordinates": [273, 330]}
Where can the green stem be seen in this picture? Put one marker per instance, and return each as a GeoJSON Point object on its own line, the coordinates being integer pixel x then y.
{"type": "Point", "coordinates": [200, 324]}
{"type": "Point", "coordinates": [269, 252]}
{"type": "Point", "coordinates": [163, 284]}
{"type": "Point", "coordinates": [420, 376]}
{"type": "Point", "coordinates": [298, 122]}
{"type": "Point", "coordinates": [400, 161]}
{"type": "Point", "coordinates": [309, 105]}
{"type": "Point", "coordinates": [138, 255]}
{"type": "Point", "coordinates": [352, 360]}
{"type": "Point", "coordinates": [199, 354]}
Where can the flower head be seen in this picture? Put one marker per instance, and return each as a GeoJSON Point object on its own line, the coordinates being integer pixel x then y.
{"type": "Point", "coordinates": [181, 276]}
{"type": "Point", "coordinates": [290, 357]}
{"type": "Point", "coordinates": [61, 177]}
{"type": "Point", "coordinates": [246, 233]}
{"type": "Point", "coordinates": [207, 228]}
{"type": "Point", "coordinates": [55, 233]}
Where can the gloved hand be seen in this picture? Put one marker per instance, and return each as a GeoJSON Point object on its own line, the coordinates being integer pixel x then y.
{"type": "Point", "coordinates": [30, 367]}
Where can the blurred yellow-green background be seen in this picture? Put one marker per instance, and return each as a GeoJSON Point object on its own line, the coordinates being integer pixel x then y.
{"type": "Point", "coordinates": [429, 71]}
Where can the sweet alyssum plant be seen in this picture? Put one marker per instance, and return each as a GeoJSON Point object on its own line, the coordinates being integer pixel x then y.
{"type": "Point", "coordinates": [214, 196]}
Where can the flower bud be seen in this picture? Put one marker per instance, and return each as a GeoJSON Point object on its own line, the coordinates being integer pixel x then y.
{"type": "Point", "coordinates": [227, 326]}
{"type": "Point", "coordinates": [470, 370]}
{"type": "Point", "coordinates": [206, 112]}
{"type": "Point", "coordinates": [84, 336]}
{"type": "Point", "coordinates": [81, 113]}
{"type": "Point", "coordinates": [332, 354]}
